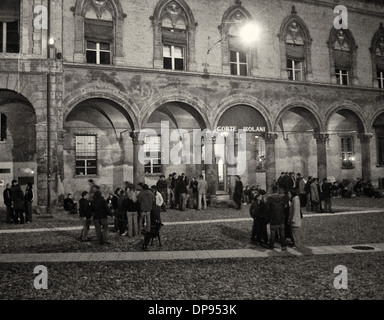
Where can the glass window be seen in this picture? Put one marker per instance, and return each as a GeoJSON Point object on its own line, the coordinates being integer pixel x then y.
{"type": "Point", "coordinates": [380, 151]}
{"type": "Point", "coordinates": [173, 57]}
{"type": "Point", "coordinates": [98, 53]}
{"type": "Point", "coordinates": [9, 37]}
{"type": "Point", "coordinates": [3, 127]}
{"type": "Point", "coordinates": [347, 152]}
{"type": "Point", "coordinates": [342, 77]}
{"type": "Point", "coordinates": [238, 63]}
{"type": "Point", "coordinates": [86, 155]}
{"type": "Point", "coordinates": [295, 70]}
{"type": "Point", "coordinates": [152, 149]}
{"type": "Point", "coordinates": [380, 79]}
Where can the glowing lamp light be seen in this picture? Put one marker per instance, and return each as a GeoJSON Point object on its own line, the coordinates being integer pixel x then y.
{"type": "Point", "coordinates": [250, 32]}
{"type": "Point", "coordinates": [51, 41]}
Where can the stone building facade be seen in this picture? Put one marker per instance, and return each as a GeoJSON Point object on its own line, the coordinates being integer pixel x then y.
{"type": "Point", "coordinates": [76, 93]}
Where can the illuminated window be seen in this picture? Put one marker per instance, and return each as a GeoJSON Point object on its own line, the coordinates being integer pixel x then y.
{"type": "Point", "coordinates": [347, 152]}
{"type": "Point", "coordinates": [86, 155]}
{"type": "Point", "coordinates": [99, 37]}
{"type": "Point", "coordinates": [152, 149]}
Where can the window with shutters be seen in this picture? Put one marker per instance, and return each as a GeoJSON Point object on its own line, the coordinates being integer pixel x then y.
{"type": "Point", "coordinates": [99, 37]}
{"type": "Point", "coordinates": [239, 56]}
{"type": "Point", "coordinates": [380, 150]}
{"type": "Point", "coordinates": [3, 127]}
{"type": "Point", "coordinates": [174, 29]}
{"type": "Point", "coordinates": [342, 50]}
{"type": "Point", "coordinates": [86, 155]}
{"type": "Point", "coordinates": [347, 152]}
{"type": "Point", "coordinates": [295, 48]}
{"type": "Point", "coordinates": [377, 56]}
{"type": "Point", "coordinates": [9, 26]}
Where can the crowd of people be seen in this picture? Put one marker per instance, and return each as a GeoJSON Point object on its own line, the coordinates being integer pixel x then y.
{"type": "Point", "coordinates": [18, 203]}
{"type": "Point", "coordinates": [136, 208]}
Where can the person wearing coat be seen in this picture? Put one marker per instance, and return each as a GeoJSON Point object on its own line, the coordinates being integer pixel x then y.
{"type": "Point", "coordinates": [100, 211]}
{"type": "Point", "coordinates": [85, 211]}
{"type": "Point", "coordinates": [238, 193]}
{"type": "Point", "coordinates": [18, 203]}
{"type": "Point", "coordinates": [258, 212]}
{"type": "Point", "coordinates": [28, 198]}
{"type": "Point", "coordinates": [315, 197]}
{"type": "Point", "coordinates": [294, 219]}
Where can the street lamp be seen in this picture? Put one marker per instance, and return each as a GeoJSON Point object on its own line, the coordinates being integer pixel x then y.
{"type": "Point", "coordinates": [249, 32]}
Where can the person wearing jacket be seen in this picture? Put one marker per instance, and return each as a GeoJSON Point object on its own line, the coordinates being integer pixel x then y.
{"type": "Point", "coordinates": [275, 212]}
{"type": "Point", "coordinates": [258, 212]}
{"type": "Point", "coordinates": [85, 211]}
{"type": "Point", "coordinates": [146, 199]}
{"type": "Point", "coordinates": [131, 207]}
{"type": "Point", "coordinates": [114, 203]}
{"type": "Point", "coordinates": [100, 211]}
{"type": "Point", "coordinates": [7, 196]}
{"type": "Point", "coordinates": [181, 190]}
{"type": "Point", "coordinates": [121, 215]}
{"type": "Point", "coordinates": [28, 199]}
{"type": "Point", "coordinates": [18, 203]}
{"type": "Point", "coordinates": [159, 201]}
{"type": "Point", "coordinates": [238, 193]}
{"type": "Point", "coordinates": [295, 218]}
{"type": "Point", "coordinates": [315, 197]}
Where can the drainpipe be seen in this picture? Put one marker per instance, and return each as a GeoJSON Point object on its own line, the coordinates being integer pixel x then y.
{"type": "Point", "coordinates": [49, 114]}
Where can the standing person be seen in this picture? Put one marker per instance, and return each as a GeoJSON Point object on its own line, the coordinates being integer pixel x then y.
{"type": "Point", "coordinates": [300, 183]}
{"type": "Point", "coordinates": [275, 217]}
{"type": "Point", "coordinates": [18, 203]}
{"type": "Point", "coordinates": [181, 190]}
{"type": "Point", "coordinates": [28, 198]}
{"type": "Point", "coordinates": [258, 212]}
{"type": "Point", "coordinates": [238, 193]}
{"type": "Point", "coordinates": [202, 188]}
{"type": "Point", "coordinates": [159, 201]}
{"type": "Point", "coordinates": [327, 196]}
{"type": "Point", "coordinates": [146, 199]}
{"type": "Point", "coordinates": [307, 188]}
{"type": "Point", "coordinates": [294, 220]}
{"type": "Point", "coordinates": [175, 195]}
{"type": "Point", "coordinates": [315, 197]}
{"type": "Point", "coordinates": [100, 212]}
{"type": "Point", "coordinates": [85, 211]}
{"type": "Point", "coordinates": [169, 198]}
{"type": "Point", "coordinates": [115, 206]}
{"type": "Point", "coordinates": [131, 208]}
{"type": "Point", "coordinates": [7, 196]}
{"type": "Point", "coordinates": [161, 187]}
{"type": "Point", "coordinates": [92, 188]}
{"type": "Point", "coordinates": [121, 213]}
{"type": "Point", "coordinates": [193, 186]}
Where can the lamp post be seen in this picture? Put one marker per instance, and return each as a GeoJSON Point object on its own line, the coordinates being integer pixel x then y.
{"type": "Point", "coordinates": [249, 33]}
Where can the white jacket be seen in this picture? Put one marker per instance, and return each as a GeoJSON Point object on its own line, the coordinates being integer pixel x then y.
{"type": "Point", "coordinates": [159, 199]}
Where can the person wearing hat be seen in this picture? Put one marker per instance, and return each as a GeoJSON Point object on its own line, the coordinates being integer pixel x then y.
{"type": "Point", "coordinates": [258, 212]}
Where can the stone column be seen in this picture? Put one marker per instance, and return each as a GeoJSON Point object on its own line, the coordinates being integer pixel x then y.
{"type": "Point", "coordinates": [270, 163]}
{"type": "Point", "coordinates": [138, 167]}
{"type": "Point", "coordinates": [321, 140]}
{"type": "Point", "coordinates": [211, 170]}
{"type": "Point", "coordinates": [365, 140]}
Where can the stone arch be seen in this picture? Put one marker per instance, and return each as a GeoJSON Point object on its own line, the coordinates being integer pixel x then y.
{"type": "Point", "coordinates": [351, 107]}
{"type": "Point", "coordinates": [191, 24]}
{"type": "Point", "coordinates": [114, 7]}
{"type": "Point", "coordinates": [295, 18]}
{"type": "Point", "coordinates": [309, 107]}
{"type": "Point", "coordinates": [241, 99]}
{"type": "Point", "coordinates": [128, 107]}
{"type": "Point", "coordinates": [374, 117]}
{"type": "Point", "coordinates": [196, 103]}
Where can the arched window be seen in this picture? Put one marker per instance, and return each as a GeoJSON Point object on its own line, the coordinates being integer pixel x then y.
{"type": "Point", "coordinates": [3, 127]}
{"type": "Point", "coordinates": [342, 52]}
{"type": "Point", "coordinates": [99, 31]}
{"type": "Point", "coordinates": [295, 49]}
{"type": "Point", "coordinates": [239, 58]}
{"type": "Point", "coordinates": [174, 34]}
{"type": "Point", "coordinates": [377, 55]}
{"type": "Point", "coordinates": [9, 26]}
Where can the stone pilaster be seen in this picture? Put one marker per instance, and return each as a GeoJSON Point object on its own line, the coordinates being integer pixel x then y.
{"type": "Point", "coordinates": [365, 141]}
{"type": "Point", "coordinates": [270, 163]}
{"type": "Point", "coordinates": [321, 141]}
{"type": "Point", "coordinates": [138, 167]}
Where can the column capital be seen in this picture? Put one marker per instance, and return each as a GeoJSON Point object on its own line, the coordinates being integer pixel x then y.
{"type": "Point", "coordinates": [135, 137]}
{"type": "Point", "coordinates": [321, 137]}
{"type": "Point", "coordinates": [270, 137]}
{"type": "Point", "coordinates": [365, 137]}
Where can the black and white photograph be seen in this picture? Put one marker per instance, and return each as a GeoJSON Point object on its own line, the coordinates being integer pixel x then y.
{"type": "Point", "coordinates": [193, 156]}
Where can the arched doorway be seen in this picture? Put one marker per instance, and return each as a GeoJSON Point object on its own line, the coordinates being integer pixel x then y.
{"type": "Point", "coordinates": [171, 127]}
{"type": "Point", "coordinates": [17, 141]}
{"type": "Point", "coordinates": [247, 118]}
{"type": "Point", "coordinates": [344, 146]}
{"type": "Point", "coordinates": [97, 145]}
{"type": "Point", "coordinates": [297, 148]}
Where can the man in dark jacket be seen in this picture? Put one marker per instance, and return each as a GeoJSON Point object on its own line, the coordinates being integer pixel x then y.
{"type": "Point", "coordinates": [28, 198]}
{"type": "Point", "coordinates": [258, 212]}
{"type": "Point", "coordinates": [7, 195]}
{"type": "Point", "coordinates": [146, 199]}
{"type": "Point", "coordinates": [181, 190]}
{"type": "Point", "coordinates": [85, 210]}
{"type": "Point", "coordinates": [238, 193]}
{"type": "Point", "coordinates": [326, 193]}
{"type": "Point", "coordinates": [275, 211]}
{"type": "Point", "coordinates": [100, 212]}
{"type": "Point", "coordinates": [18, 203]}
